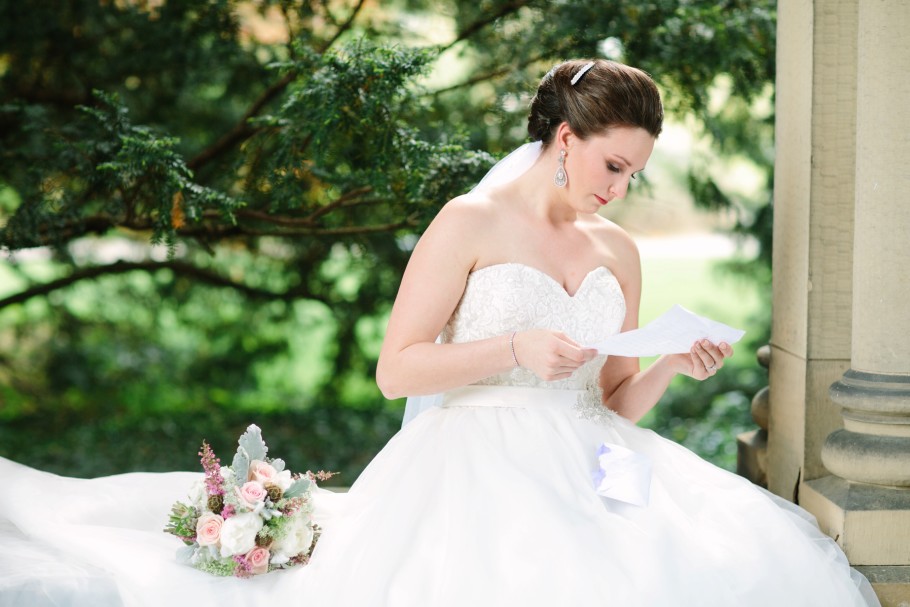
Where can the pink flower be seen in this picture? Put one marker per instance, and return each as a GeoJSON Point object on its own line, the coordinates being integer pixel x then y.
{"type": "Point", "coordinates": [208, 529]}
{"type": "Point", "coordinates": [252, 493]}
{"type": "Point", "coordinates": [258, 559]}
{"type": "Point", "coordinates": [262, 472]}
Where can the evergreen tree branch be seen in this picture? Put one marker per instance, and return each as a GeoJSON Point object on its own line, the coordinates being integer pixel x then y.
{"type": "Point", "coordinates": [343, 28]}
{"type": "Point", "coordinates": [182, 268]}
{"type": "Point", "coordinates": [473, 28]}
{"type": "Point", "coordinates": [242, 130]}
{"type": "Point", "coordinates": [497, 73]}
{"type": "Point", "coordinates": [285, 227]}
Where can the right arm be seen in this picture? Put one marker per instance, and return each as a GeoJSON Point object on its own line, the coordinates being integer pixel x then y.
{"type": "Point", "coordinates": [410, 362]}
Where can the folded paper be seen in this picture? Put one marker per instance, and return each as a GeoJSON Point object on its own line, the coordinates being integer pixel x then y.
{"type": "Point", "coordinates": [623, 475]}
{"type": "Point", "coordinates": [673, 332]}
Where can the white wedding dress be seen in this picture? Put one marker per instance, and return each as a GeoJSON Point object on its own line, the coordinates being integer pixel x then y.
{"type": "Point", "coordinates": [514, 492]}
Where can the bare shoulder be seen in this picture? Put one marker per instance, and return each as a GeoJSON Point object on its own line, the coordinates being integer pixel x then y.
{"type": "Point", "coordinates": [466, 212]}
{"type": "Point", "coordinates": [458, 230]}
{"type": "Point", "coordinates": [617, 248]}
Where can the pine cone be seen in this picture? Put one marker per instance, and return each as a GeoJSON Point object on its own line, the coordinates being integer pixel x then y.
{"type": "Point", "coordinates": [216, 503]}
{"type": "Point", "coordinates": [274, 492]}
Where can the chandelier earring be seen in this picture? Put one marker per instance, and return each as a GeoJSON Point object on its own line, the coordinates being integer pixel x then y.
{"type": "Point", "coordinates": [561, 179]}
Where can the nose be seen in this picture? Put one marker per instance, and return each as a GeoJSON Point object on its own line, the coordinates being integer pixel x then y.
{"type": "Point", "coordinates": [619, 189]}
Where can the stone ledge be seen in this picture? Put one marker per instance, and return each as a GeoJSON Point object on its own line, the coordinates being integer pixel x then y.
{"type": "Point", "coordinates": [891, 583]}
{"type": "Point", "coordinates": [870, 523]}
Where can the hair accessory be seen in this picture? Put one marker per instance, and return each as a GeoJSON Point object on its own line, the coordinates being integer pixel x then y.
{"type": "Point", "coordinates": [561, 179]}
{"type": "Point", "coordinates": [584, 70]}
{"type": "Point", "coordinates": [512, 347]}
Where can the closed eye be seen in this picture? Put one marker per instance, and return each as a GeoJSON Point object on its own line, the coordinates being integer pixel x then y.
{"type": "Point", "coordinates": [614, 168]}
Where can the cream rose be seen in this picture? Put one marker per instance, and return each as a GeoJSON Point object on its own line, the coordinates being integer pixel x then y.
{"type": "Point", "coordinates": [258, 558]}
{"type": "Point", "coordinates": [261, 471]}
{"type": "Point", "coordinates": [208, 529]}
{"type": "Point", "coordinates": [266, 473]}
{"type": "Point", "coordinates": [238, 533]}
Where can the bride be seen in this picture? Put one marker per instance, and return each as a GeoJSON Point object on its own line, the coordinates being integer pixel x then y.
{"type": "Point", "coordinates": [527, 481]}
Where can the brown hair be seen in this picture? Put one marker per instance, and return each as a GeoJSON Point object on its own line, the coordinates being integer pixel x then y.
{"type": "Point", "coordinates": [607, 95]}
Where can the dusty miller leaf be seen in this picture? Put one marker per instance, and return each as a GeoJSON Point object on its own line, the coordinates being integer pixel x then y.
{"type": "Point", "coordinates": [298, 488]}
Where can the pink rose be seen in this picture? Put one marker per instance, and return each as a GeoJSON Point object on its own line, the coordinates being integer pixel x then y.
{"type": "Point", "coordinates": [208, 529]}
{"type": "Point", "coordinates": [258, 558]}
{"type": "Point", "coordinates": [261, 471]}
{"type": "Point", "coordinates": [252, 493]}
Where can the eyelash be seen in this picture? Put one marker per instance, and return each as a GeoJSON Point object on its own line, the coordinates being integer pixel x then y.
{"type": "Point", "coordinates": [616, 169]}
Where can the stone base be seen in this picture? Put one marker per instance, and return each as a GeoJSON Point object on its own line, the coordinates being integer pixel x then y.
{"type": "Point", "coordinates": [891, 584]}
{"type": "Point", "coordinates": [871, 523]}
{"type": "Point", "coordinates": [752, 456]}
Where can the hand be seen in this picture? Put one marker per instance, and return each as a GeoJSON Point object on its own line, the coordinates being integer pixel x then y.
{"type": "Point", "coordinates": [704, 359]}
{"type": "Point", "coordinates": [550, 354]}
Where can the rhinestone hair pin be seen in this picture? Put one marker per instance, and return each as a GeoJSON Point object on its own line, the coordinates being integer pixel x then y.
{"type": "Point", "coordinates": [584, 69]}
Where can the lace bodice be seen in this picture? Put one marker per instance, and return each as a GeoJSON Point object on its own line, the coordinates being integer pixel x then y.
{"type": "Point", "coordinates": [510, 297]}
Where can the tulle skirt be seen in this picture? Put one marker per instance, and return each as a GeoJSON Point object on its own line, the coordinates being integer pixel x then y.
{"type": "Point", "coordinates": [495, 498]}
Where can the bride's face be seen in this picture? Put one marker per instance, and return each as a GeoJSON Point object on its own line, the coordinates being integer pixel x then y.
{"type": "Point", "coordinates": [601, 167]}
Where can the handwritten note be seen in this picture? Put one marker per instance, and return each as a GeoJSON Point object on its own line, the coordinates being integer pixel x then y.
{"type": "Point", "coordinates": [673, 332]}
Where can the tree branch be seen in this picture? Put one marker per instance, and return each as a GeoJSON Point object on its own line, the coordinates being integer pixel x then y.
{"type": "Point", "coordinates": [498, 72]}
{"type": "Point", "coordinates": [505, 9]}
{"type": "Point", "coordinates": [179, 267]}
{"type": "Point", "coordinates": [100, 224]}
{"type": "Point", "coordinates": [242, 130]}
{"type": "Point", "coordinates": [343, 28]}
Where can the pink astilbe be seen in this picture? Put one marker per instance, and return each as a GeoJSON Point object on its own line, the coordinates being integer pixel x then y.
{"type": "Point", "coordinates": [244, 568]}
{"type": "Point", "coordinates": [228, 512]}
{"type": "Point", "coordinates": [212, 467]}
{"type": "Point", "coordinates": [293, 504]}
{"type": "Point", "coordinates": [321, 475]}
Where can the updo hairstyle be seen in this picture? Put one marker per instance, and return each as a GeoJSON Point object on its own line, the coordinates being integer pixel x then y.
{"type": "Point", "coordinates": [608, 95]}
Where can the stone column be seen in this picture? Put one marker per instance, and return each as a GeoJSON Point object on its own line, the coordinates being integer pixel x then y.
{"type": "Point", "coordinates": [866, 503]}
{"type": "Point", "coordinates": [813, 233]}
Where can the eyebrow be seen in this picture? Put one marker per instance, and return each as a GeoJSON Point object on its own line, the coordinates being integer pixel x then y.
{"type": "Point", "coordinates": [628, 164]}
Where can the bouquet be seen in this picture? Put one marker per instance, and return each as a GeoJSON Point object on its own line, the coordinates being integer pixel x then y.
{"type": "Point", "coordinates": [250, 518]}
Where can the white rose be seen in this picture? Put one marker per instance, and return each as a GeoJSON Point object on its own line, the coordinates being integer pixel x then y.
{"type": "Point", "coordinates": [283, 479]}
{"type": "Point", "coordinates": [238, 534]}
{"type": "Point", "coordinates": [299, 538]}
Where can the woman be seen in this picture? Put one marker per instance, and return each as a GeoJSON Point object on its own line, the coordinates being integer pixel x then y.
{"type": "Point", "coordinates": [530, 484]}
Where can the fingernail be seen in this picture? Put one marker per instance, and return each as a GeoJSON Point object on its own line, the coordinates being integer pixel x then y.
{"type": "Point", "coordinates": [704, 343]}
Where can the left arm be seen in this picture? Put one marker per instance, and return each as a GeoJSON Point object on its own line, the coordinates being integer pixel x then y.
{"type": "Point", "coordinates": [627, 389]}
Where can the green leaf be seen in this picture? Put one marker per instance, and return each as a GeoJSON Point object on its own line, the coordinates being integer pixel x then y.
{"type": "Point", "coordinates": [298, 487]}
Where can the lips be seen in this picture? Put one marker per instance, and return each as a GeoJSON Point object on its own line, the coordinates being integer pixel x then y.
{"type": "Point", "coordinates": [602, 201]}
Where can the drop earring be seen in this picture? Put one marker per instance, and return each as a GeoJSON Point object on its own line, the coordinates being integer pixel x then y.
{"type": "Point", "coordinates": [561, 179]}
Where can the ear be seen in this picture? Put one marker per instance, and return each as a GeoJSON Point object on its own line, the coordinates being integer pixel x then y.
{"type": "Point", "coordinates": [564, 136]}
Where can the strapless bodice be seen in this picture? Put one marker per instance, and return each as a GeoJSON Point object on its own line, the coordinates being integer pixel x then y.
{"type": "Point", "coordinates": [508, 297]}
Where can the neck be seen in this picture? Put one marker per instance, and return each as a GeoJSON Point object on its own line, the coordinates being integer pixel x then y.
{"type": "Point", "coordinates": [536, 191]}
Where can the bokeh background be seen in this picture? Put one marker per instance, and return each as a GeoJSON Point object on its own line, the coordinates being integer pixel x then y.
{"type": "Point", "coordinates": [205, 207]}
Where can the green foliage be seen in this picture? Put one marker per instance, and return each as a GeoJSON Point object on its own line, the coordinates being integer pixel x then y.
{"type": "Point", "coordinates": [286, 154]}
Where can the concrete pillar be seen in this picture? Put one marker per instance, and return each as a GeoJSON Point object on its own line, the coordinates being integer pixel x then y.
{"type": "Point", "coordinates": [813, 233]}
{"type": "Point", "coordinates": [865, 503]}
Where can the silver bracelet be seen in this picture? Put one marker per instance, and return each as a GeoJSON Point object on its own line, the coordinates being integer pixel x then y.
{"type": "Point", "coordinates": [512, 347]}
